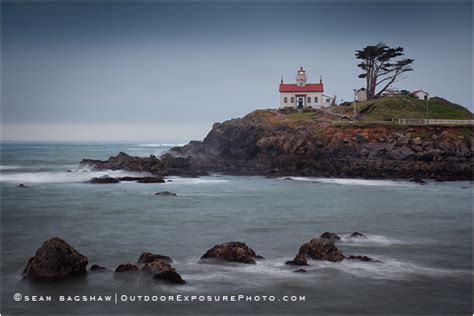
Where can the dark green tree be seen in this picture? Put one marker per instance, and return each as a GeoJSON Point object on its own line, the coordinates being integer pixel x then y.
{"type": "Point", "coordinates": [382, 67]}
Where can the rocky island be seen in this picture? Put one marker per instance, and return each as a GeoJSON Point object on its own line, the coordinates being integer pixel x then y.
{"type": "Point", "coordinates": [272, 143]}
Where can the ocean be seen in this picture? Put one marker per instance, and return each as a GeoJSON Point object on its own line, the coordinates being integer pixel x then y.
{"type": "Point", "coordinates": [421, 233]}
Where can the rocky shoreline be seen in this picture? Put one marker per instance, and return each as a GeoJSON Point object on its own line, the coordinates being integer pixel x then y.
{"type": "Point", "coordinates": [266, 143]}
{"type": "Point", "coordinates": [57, 260]}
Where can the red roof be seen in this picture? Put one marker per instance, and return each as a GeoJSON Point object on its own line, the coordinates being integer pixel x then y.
{"type": "Point", "coordinates": [309, 87]}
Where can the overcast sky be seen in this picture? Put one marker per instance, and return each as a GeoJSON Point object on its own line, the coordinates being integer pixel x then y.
{"type": "Point", "coordinates": [165, 72]}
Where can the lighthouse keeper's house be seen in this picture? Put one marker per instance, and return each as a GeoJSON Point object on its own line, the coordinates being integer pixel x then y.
{"type": "Point", "coordinates": [302, 95]}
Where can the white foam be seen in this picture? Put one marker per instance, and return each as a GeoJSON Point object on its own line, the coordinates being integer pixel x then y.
{"type": "Point", "coordinates": [389, 268]}
{"type": "Point", "coordinates": [370, 240]}
{"type": "Point", "coordinates": [79, 175]}
{"type": "Point", "coordinates": [366, 182]}
{"type": "Point", "coordinates": [9, 167]}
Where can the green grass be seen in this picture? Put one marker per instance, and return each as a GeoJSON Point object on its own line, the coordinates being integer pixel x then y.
{"type": "Point", "coordinates": [302, 115]}
{"type": "Point", "coordinates": [388, 108]}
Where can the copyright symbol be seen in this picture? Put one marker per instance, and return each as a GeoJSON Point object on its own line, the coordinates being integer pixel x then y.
{"type": "Point", "coordinates": [17, 297]}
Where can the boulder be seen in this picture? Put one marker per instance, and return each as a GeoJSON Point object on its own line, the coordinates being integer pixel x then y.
{"type": "Point", "coordinates": [129, 267]}
{"type": "Point", "coordinates": [170, 277]}
{"type": "Point", "coordinates": [301, 271]}
{"type": "Point", "coordinates": [97, 268]}
{"type": "Point", "coordinates": [403, 140]}
{"type": "Point", "coordinates": [402, 153]}
{"type": "Point", "coordinates": [232, 251]}
{"type": "Point", "coordinates": [358, 235]}
{"type": "Point", "coordinates": [147, 257]}
{"type": "Point", "coordinates": [104, 179]}
{"type": "Point", "coordinates": [332, 236]}
{"type": "Point", "coordinates": [166, 193]}
{"type": "Point", "coordinates": [321, 249]}
{"type": "Point", "coordinates": [156, 267]}
{"type": "Point", "coordinates": [300, 260]}
{"type": "Point", "coordinates": [55, 260]}
{"type": "Point", "coordinates": [417, 141]}
{"type": "Point", "coordinates": [259, 257]}
{"type": "Point", "coordinates": [21, 185]}
{"type": "Point", "coordinates": [162, 271]}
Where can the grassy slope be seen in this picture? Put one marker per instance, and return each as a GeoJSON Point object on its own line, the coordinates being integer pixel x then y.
{"type": "Point", "coordinates": [394, 108]}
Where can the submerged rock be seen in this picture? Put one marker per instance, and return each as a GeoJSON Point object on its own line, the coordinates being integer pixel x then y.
{"type": "Point", "coordinates": [332, 236]}
{"type": "Point", "coordinates": [300, 260]}
{"type": "Point", "coordinates": [362, 258]}
{"type": "Point", "coordinates": [147, 257]}
{"type": "Point", "coordinates": [21, 185]}
{"type": "Point", "coordinates": [418, 180]}
{"type": "Point", "coordinates": [151, 180]}
{"type": "Point", "coordinates": [358, 235]}
{"type": "Point", "coordinates": [129, 267]}
{"type": "Point", "coordinates": [166, 193]}
{"type": "Point", "coordinates": [232, 251]}
{"type": "Point", "coordinates": [301, 271]}
{"type": "Point", "coordinates": [321, 249]}
{"type": "Point", "coordinates": [55, 260]}
{"type": "Point", "coordinates": [103, 180]}
{"type": "Point", "coordinates": [98, 268]}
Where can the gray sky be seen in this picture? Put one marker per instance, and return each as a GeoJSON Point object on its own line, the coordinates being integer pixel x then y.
{"type": "Point", "coordinates": [165, 72]}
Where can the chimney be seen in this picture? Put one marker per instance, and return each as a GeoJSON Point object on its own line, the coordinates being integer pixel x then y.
{"type": "Point", "coordinates": [281, 81]}
{"type": "Point", "coordinates": [320, 79]}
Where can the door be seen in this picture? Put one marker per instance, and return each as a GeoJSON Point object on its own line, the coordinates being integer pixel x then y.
{"type": "Point", "coordinates": [300, 103]}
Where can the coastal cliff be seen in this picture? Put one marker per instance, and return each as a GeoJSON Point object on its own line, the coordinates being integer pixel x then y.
{"type": "Point", "coordinates": [271, 143]}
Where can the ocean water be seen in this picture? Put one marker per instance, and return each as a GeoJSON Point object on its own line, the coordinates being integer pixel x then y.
{"type": "Point", "coordinates": [421, 233]}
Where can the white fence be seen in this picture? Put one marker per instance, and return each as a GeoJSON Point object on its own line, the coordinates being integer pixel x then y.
{"type": "Point", "coordinates": [434, 122]}
{"type": "Point", "coordinates": [411, 122]}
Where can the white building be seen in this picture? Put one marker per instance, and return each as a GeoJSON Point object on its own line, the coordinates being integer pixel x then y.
{"type": "Point", "coordinates": [420, 94]}
{"type": "Point", "coordinates": [301, 95]}
{"type": "Point", "coordinates": [361, 95]}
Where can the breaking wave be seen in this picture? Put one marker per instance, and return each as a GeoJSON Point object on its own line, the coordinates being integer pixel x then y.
{"type": "Point", "coordinates": [354, 181]}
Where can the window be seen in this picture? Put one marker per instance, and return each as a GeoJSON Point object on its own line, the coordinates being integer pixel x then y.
{"type": "Point", "coordinates": [292, 100]}
{"type": "Point", "coordinates": [309, 99]}
{"type": "Point", "coordinates": [328, 100]}
{"type": "Point", "coordinates": [285, 100]}
{"type": "Point", "coordinates": [315, 99]}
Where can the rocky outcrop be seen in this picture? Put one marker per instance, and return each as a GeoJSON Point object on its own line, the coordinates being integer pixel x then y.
{"type": "Point", "coordinates": [104, 180]}
{"type": "Point", "coordinates": [232, 251]}
{"type": "Point", "coordinates": [321, 249]}
{"type": "Point", "coordinates": [55, 260]}
{"type": "Point", "coordinates": [147, 257]}
{"type": "Point", "coordinates": [267, 142]}
{"type": "Point", "coordinates": [163, 166]}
